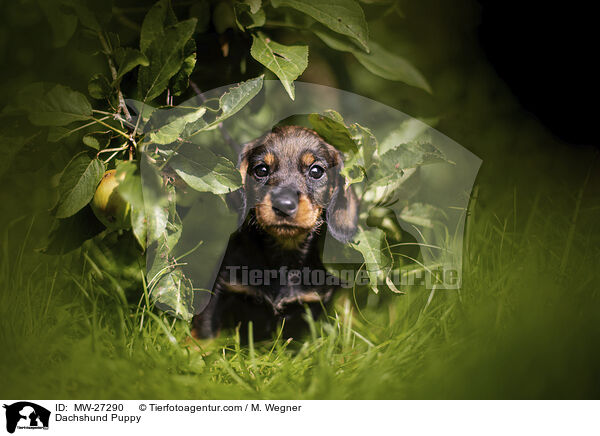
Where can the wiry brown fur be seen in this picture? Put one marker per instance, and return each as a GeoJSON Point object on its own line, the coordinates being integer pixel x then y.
{"type": "Point", "coordinates": [286, 209]}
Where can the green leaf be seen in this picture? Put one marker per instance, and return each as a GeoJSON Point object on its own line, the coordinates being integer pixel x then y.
{"type": "Point", "coordinates": [223, 17]}
{"type": "Point", "coordinates": [162, 221]}
{"type": "Point", "coordinates": [342, 16]}
{"type": "Point", "coordinates": [127, 59]}
{"type": "Point", "coordinates": [58, 133]}
{"type": "Point", "coordinates": [153, 225]}
{"type": "Point", "coordinates": [330, 126]}
{"type": "Point", "coordinates": [287, 62]}
{"type": "Point", "coordinates": [169, 237]}
{"type": "Point", "coordinates": [421, 214]}
{"type": "Point", "coordinates": [386, 188]}
{"type": "Point", "coordinates": [92, 14]}
{"type": "Point", "coordinates": [169, 288]}
{"type": "Point", "coordinates": [58, 107]}
{"type": "Point", "coordinates": [410, 155]}
{"type": "Point", "coordinates": [379, 61]}
{"type": "Point", "coordinates": [78, 184]}
{"type": "Point", "coordinates": [246, 18]}
{"type": "Point", "coordinates": [213, 173]}
{"type": "Point", "coordinates": [173, 293]}
{"type": "Point", "coordinates": [181, 80]}
{"type": "Point", "coordinates": [238, 96]}
{"type": "Point", "coordinates": [11, 144]}
{"type": "Point", "coordinates": [391, 66]}
{"type": "Point", "coordinates": [99, 87]}
{"type": "Point", "coordinates": [376, 253]}
{"type": "Point", "coordinates": [159, 16]}
{"type": "Point", "coordinates": [97, 140]}
{"type": "Point", "coordinates": [201, 11]}
{"type": "Point", "coordinates": [410, 130]}
{"type": "Point", "coordinates": [150, 212]}
{"type": "Point", "coordinates": [354, 170]}
{"type": "Point", "coordinates": [69, 233]}
{"type": "Point", "coordinates": [367, 143]}
{"type": "Point", "coordinates": [171, 131]}
{"type": "Point", "coordinates": [230, 103]}
{"type": "Point", "coordinates": [166, 57]}
{"type": "Point", "coordinates": [357, 142]}
{"type": "Point", "coordinates": [85, 15]}
{"type": "Point", "coordinates": [63, 24]}
{"type": "Point", "coordinates": [396, 166]}
{"type": "Point", "coordinates": [255, 5]}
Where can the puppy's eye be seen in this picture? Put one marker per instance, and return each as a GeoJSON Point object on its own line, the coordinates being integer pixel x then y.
{"type": "Point", "coordinates": [316, 171]}
{"type": "Point", "coordinates": [261, 170]}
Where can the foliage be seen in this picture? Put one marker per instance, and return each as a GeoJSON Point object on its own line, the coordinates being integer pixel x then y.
{"type": "Point", "coordinates": [82, 325]}
{"type": "Point", "coordinates": [133, 120]}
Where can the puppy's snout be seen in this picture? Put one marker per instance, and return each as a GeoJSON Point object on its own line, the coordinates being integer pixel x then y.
{"type": "Point", "coordinates": [285, 201]}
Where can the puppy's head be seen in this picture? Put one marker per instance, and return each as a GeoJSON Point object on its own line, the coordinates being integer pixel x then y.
{"type": "Point", "coordinates": [292, 180]}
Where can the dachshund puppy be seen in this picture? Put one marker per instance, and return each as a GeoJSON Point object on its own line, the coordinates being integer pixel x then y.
{"type": "Point", "coordinates": [292, 195]}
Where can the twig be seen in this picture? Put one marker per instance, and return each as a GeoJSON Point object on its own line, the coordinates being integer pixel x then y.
{"type": "Point", "coordinates": [120, 132]}
{"type": "Point", "coordinates": [113, 72]}
{"type": "Point", "coordinates": [108, 150]}
{"type": "Point", "coordinates": [116, 117]}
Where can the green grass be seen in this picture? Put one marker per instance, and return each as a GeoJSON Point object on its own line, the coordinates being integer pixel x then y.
{"type": "Point", "coordinates": [524, 325]}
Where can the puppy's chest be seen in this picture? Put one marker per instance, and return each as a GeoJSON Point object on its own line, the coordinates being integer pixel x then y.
{"type": "Point", "coordinates": [278, 288]}
{"type": "Point", "coordinates": [274, 278]}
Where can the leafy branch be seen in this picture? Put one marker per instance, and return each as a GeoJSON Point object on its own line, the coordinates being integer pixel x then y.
{"type": "Point", "coordinates": [113, 70]}
{"type": "Point", "coordinates": [124, 117]}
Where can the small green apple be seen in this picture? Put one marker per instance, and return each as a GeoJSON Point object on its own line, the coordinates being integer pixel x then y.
{"type": "Point", "coordinates": [108, 205]}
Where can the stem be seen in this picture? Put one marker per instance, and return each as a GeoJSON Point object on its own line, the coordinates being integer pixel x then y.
{"type": "Point", "coordinates": [82, 127]}
{"type": "Point", "coordinates": [275, 23]}
{"type": "Point", "coordinates": [113, 72]}
{"type": "Point", "coordinates": [115, 116]}
{"type": "Point", "coordinates": [120, 132]}
{"type": "Point", "coordinates": [110, 157]}
{"type": "Point", "coordinates": [108, 150]}
{"type": "Point", "coordinates": [115, 150]}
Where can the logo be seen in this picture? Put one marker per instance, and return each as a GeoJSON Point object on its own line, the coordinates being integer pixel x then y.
{"type": "Point", "coordinates": [26, 415]}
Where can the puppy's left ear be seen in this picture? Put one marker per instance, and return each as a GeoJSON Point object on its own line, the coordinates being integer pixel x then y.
{"type": "Point", "coordinates": [342, 212]}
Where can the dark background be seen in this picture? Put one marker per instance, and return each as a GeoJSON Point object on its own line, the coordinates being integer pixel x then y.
{"type": "Point", "coordinates": [545, 52]}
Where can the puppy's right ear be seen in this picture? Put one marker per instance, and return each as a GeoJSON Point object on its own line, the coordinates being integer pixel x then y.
{"type": "Point", "coordinates": [241, 194]}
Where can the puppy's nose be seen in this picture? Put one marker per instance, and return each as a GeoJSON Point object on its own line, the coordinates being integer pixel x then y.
{"type": "Point", "coordinates": [285, 202]}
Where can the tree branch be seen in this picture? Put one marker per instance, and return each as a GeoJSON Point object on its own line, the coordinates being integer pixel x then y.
{"type": "Point", "coordinates": [113, 72]}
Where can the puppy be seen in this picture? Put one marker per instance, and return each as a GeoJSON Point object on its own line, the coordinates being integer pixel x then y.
{"type": "Point", "coordinates": [292, 195]}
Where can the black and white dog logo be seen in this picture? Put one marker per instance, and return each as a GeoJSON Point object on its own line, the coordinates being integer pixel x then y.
{"type": "Point", "coordinates": [26, 415]}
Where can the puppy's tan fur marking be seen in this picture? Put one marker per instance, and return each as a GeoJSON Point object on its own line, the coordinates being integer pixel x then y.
{"type": "Point", "coordinates": [244, 170]}
{"type": "Point", "coordinates": [269, 159]}
{"type": "Point", "coordinates": [264, 212]}
{"type": "Point", "coordinates": [289, 234]}
{"type": "Point", "coordinates": [307, 159]}
{"type": "Point", "coordinates": [308, 213]}
{"type": "Point", "coordinates": [239, 289]}
{"type": "Point", "coordinates": [289, 151]}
